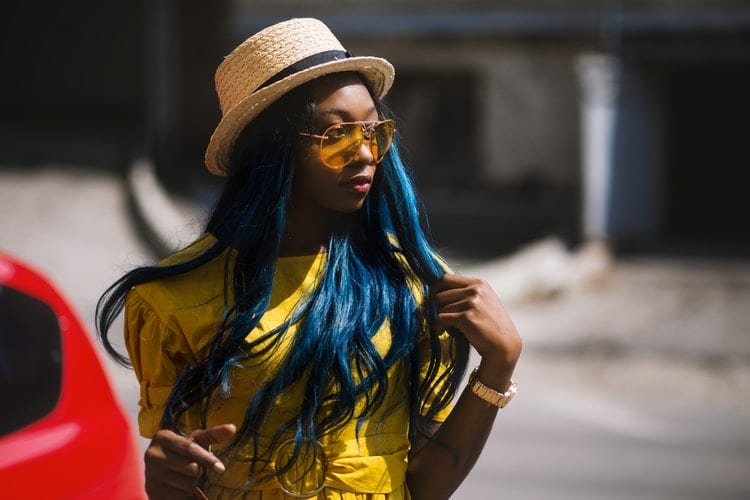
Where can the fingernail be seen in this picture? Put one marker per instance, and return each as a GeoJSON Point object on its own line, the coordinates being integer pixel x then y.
{"type": "Point", "coordinates": [219, 467]}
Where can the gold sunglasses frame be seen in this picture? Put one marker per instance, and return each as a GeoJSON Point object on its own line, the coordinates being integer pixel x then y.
{"type": "Point", "coordinates": [368, 131]}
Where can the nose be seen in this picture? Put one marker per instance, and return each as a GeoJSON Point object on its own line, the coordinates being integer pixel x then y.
{"type": "Point", "coordinates": [364, 153]}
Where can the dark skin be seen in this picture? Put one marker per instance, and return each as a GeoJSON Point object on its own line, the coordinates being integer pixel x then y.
{"type": "Point", "coordinates": [470, 306]}
{"type": "Point", "coordinates": [174, 464]}
{"type": "Point", "coordinates": [323, 202]}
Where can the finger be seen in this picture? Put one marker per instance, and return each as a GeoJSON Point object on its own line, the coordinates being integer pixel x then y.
{"type": "Point", "coordinates": [450, 322]}
{"type": "Point", "coordinates": [184, 466]}
{"type": "Point", "coordinates": [164, 471]}
{"type": "Point", "coordinates": [450, 281]}
{"type": "Point", "coordinates": [186, 447]}
{"type": "Point", "coordinates": [213, 435]}
{"type": "Point", "coordinates": [454, 295]}
{"type": "Point", "coordinates": [456, 307]}
{"type": "Point", "coordinates": [160, 459]}
{"type": "Point", "coordinates": [477, 292]}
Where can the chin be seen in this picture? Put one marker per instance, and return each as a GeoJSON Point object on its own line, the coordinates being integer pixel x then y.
{"type": "Point", "coordinates": [349, 208]}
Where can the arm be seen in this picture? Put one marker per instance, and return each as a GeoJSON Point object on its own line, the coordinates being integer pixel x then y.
{"type": "Point", "coordinates": [439, 465]}
{"type": "Point", "coordinates": [174, 464]}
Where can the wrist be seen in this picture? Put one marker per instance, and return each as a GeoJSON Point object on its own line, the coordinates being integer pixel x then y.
{"type": "Point", "coordinates": [489, 395]}
{"type": "Point", "coordinates": [495, 376]}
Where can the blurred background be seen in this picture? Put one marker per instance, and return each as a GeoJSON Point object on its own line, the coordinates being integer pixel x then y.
{"type": "Point", "coordinates": [585, 157]}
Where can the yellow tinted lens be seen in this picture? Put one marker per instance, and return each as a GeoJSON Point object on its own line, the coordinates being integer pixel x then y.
{"type": "Point", "coordinates": [382, 139]}
{"type": "Point", "coordinates": [340, 144]}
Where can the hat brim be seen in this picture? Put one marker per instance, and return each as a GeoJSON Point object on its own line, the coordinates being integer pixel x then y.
{"type": "Point", "coordinates": [378, 72]}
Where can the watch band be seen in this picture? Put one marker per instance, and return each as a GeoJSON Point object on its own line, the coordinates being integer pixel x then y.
{"type": "Point", "coordinates": [489, 395]}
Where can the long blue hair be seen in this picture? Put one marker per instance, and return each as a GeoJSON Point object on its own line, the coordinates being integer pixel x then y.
{"type": "Point", "coordinates": [368, 279]}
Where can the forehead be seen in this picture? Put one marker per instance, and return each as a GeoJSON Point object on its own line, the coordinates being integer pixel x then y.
{"type": "Point", "coordinates": [343, 95]}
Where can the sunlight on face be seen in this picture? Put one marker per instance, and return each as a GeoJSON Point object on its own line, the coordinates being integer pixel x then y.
{"type": "Point", "coordinates": [317, 188]}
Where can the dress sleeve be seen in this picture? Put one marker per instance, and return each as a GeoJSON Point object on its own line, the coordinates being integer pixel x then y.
{"type": "Point", "coordinates": [158, 355]}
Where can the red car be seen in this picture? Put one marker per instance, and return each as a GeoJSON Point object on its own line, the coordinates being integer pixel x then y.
{"type": "Point", "coordinates": [62, 432]}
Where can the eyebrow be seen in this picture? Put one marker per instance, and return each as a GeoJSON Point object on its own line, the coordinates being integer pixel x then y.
{"type": "Point", "coordinates": [342, 113]}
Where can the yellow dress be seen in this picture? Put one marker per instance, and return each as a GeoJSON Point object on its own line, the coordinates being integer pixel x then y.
{"type": "Point", "coordinates": [168, 323]}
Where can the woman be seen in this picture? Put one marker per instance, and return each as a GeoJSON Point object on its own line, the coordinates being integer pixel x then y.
{"type": "Point", "coordinates": [295, 350]}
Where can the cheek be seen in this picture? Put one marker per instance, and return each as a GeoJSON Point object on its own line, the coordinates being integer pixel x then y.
{"type": "Point", "coordinates": [302, 158]}
{"type": "Point", "coordinates": [313, 182]}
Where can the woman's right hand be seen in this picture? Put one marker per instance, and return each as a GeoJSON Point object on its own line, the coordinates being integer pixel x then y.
{"type": "Point", "coordinates": [174, 463]}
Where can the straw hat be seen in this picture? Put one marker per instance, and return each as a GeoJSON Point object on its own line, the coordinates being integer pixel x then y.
{"type": "Point", "coordinates": [271, 63]}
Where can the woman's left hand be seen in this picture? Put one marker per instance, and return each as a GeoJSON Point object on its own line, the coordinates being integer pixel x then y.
{"type": "Point", "coordinates": [472, 307]}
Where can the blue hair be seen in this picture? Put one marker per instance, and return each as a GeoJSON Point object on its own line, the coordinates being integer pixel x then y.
{"type": "Point", "coordinates": [368, 279]}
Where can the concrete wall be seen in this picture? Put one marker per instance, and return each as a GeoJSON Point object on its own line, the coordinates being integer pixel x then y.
{"type": "Point", "coordinates": [487, 90]}
{"type": "Point", "coordinates": [526, 99]}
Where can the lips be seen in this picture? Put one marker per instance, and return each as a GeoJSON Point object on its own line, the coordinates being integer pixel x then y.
{"type": "Point", "coordinates": [359, 179]}
{"type": "Point", "coordinates": [359, 183]}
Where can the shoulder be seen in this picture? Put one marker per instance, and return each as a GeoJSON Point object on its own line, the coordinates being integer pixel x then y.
{"type": "Point", "coordinates": [180, 301]}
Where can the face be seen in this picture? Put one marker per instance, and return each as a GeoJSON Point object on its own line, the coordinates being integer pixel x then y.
{"type": "Point", "coordinates": [317, 187]}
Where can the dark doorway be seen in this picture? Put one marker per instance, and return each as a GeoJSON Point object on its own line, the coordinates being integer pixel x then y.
{"type": "Point", "coordinates": [707, 204]}
{"type": "Point", "coordinates": [437, 117]}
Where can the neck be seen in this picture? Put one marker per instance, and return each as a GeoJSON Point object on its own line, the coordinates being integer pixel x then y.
{"type": "Point", "coordinates": [308, 233]}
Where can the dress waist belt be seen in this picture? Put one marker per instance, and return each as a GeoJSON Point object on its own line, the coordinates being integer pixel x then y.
{"type": "Point", "coordinates": [373, 464]}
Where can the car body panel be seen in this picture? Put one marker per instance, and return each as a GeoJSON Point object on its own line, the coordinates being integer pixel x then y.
{"type": "Point", "coordinates": [84, 447]}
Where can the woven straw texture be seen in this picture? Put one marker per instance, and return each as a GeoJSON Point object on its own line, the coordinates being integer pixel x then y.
{"type": "Point", "coordinates": [264, 55]}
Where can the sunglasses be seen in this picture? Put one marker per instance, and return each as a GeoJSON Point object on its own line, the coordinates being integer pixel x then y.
{"type": "Point", "coordinates": [340, 143]}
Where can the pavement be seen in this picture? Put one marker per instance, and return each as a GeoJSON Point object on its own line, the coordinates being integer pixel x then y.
{"type": "Point", "coordinates": [638, 351]}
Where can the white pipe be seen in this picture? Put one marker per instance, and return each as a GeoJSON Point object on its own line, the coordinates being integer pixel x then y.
{"type": "Point", "coordinates": [599, 77]}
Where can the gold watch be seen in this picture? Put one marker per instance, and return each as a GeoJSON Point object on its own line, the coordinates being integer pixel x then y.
{"type": "Point", "coordinates": [491, 396]}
